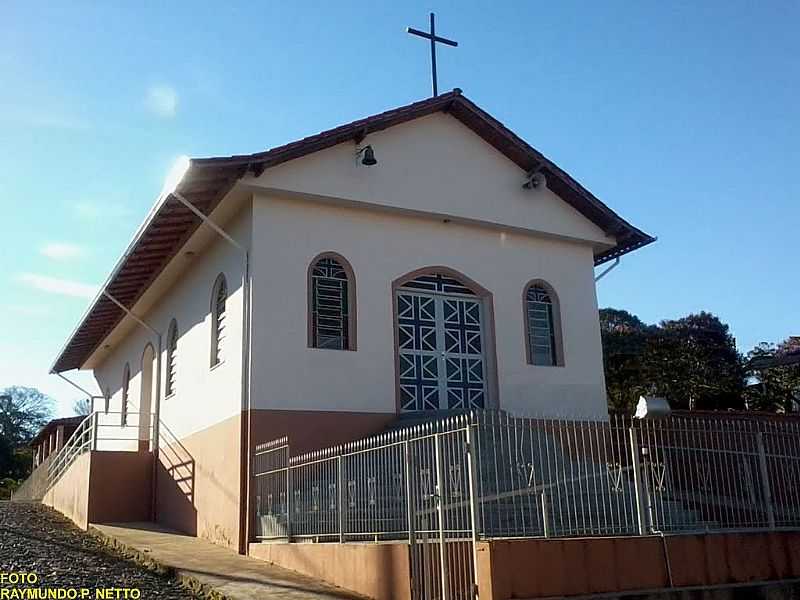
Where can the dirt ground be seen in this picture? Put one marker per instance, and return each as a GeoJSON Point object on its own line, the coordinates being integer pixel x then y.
{"type": "Point", "coordinates": [36, 539]}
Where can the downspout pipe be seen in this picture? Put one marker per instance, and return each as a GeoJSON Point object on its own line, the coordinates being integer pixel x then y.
{"type": "Point", "coordinates": [157, 408]}
{"type": "Point", "coordinates": [89, 395]}
{"type": "Point", "coordinates": [246, 423]}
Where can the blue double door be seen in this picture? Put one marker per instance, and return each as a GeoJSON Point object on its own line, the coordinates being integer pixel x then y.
{"type": "Point", "coordinates": [441, 349]}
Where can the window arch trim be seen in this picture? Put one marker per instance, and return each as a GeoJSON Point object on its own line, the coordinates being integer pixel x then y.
{"type": "Point", "coordinates": [216, 341]}
{"type": "Point", "coordinates": [352, 304]}
{"type": "Point", "coordinates": [558, 341]}
{"type": "Point", "coordinates": [172, 348]}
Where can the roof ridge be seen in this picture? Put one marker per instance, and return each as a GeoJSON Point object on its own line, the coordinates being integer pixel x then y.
{"type": "Point", "coordinates": [414, 106]}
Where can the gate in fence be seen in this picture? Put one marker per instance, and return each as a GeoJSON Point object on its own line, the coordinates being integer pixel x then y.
{"type": "Point", "coordinates": [440, 485]}
{"type": "Point", "coordinates": [416, 490]}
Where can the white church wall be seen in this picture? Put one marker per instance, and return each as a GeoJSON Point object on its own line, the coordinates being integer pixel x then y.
{"type": "Point", "coordinates": [204, 395]}
{"type": "Point", "coordinates": [434, 164]}
{"type": "Point", "coordinates": [288, 375]}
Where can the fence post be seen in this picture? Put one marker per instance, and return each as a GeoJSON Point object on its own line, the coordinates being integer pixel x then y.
{"type": "Point", "coordinates": [340, 499]}
{"type": "Point", "coordinates": [409, 493]}
{"type": "Point", "coordinates": [637, 481]}
{"type": "Point", "coordinates": [545, 515]}
{"type": "Point", "coordinates": [472, 474]}
{"type": "Point", "coordinates": [288, 498]}
{"type": "Point", "coordinates": [94, 431]}
{"type": "Point", "coordinates": [440, 511]}
{"type": "Point", "coordinates": [765, 486]}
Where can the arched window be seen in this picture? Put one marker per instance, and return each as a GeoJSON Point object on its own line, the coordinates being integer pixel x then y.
{"type": "Point", "coordinates": [126, 382]}
{"type": "Point", "coordinates": [219, 296]}
{"type": "Point", "coordinates": [172, 357]}
{"type": "Point", "coordinates": [331, 304]}
{"type": "Point", "coordinates": [542, 323]}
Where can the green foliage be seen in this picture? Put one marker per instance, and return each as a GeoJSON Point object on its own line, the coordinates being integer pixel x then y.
{"type": "Point", "coordinates": [82, 407]}
{"type": "Point", "coordinates": [624, 341]}
{"type": "Point", "coordinates": [777, 387]}
{"type": "Point", "coordinates": [8, 485]}
{"type": "Point", "coordinates": [23, 412]}
{"type": "Point", "coordinates": [692, 362]}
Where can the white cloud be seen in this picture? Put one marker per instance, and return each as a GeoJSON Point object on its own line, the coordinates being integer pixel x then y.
{"type": "Point", "coordinates": [62, 251]}
{"type": "Point", "coordinates": [162, 100]}
{"type": "Point", "coordinates": [62, 287]}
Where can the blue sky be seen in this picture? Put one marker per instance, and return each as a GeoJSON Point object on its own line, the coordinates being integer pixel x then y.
{"type": "Point", "coordinates": [681, 116]}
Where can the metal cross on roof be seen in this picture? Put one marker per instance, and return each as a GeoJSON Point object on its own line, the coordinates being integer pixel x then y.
{"type": "Point", "coordinates": [433, 38]}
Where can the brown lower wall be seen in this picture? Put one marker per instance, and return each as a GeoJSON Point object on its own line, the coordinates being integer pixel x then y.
{"type": "Point", "coordinates": [120, 487]}
{"type": "Point", "coordinates": [198, 485]}
{"type": "Point", "coordinates": [537, 568]}
{"type": "Point", "coordinates": [199, 477]}
{"type": "Point", "coordinates": [315, 429]}
{"type": "Point", "coordinates": [379, 571]}
{"type": "Point", "coordinates": [104, 487]}
{"type": "Point", "coordinates": [70, 494]}
{"type": "Point", "coordinates": [35, 486]}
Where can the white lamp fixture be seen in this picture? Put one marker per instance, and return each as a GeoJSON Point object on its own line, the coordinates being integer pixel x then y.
{"type": "Point", "coordinates": [652, 407]}
{"type": "Point", "coordinates": [534, 180]}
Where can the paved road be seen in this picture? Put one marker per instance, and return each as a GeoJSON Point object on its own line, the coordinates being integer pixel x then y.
{"type": "Point", "coordinates": [37, 539]}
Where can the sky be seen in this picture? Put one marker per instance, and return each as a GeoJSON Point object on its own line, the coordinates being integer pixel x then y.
{"type": "Point", "coordinates": [681, 116]}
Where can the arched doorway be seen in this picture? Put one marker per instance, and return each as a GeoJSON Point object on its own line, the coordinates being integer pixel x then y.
{"type": "Point", "coordinates": [442, 333]}
{"type": "Point", "coordinates": [145, 401]}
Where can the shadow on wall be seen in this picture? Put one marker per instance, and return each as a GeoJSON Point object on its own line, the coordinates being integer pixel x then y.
{"type": "Point", "coordinates": [176, 484]}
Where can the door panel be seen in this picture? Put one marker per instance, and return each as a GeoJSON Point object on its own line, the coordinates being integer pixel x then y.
{"type": "Point", "coordinates": [441, 344]}
{"type": "Point", "coordinates": [463, 353]}
{"type": "Point", "coordinates": [419, 358]}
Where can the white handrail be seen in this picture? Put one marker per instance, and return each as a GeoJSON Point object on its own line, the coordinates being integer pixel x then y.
{"type": "Point", "coordinates": [88, 436]}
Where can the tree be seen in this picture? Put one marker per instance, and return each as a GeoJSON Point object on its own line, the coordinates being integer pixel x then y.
{"type": "Point", "coordinates": [777, 386]}
{"type": "Point", "coordinates": [82, 407]}
{"type": "Point", "coordinates": [23, 412]}
{"type": "Point", "coordinates": [692, 362]}
{"type": "Point", "coordinates": [624, 339]}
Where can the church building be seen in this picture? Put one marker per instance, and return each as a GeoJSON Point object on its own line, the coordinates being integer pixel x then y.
{"type": "Point", "coordinates": [422, 260]}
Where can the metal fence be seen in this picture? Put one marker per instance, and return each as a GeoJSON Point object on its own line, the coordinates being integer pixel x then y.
{"type": "Point", "coordinates": [443, 485]}
{"type": "Point", "coordinates": [625, 476]}
{"type": "Point", "coordinates": [414, 486]}
{"type": "Point", "coordinates": [537, 477]}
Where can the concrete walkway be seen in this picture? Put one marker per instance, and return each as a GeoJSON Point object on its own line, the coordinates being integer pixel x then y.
{"type": "Point", "coordinates": [209, 567]}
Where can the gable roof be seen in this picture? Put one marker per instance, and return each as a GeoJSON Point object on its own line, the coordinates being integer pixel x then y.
{"type": "Point", "coordinates": [170, 224]}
